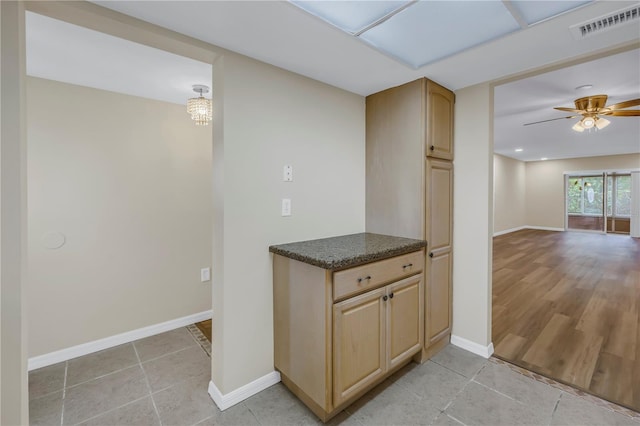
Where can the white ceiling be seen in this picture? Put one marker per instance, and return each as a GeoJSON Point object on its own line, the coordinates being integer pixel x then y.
{"type": "Point", "coordinates": [405, 30]}
{"type": "Point", "coordinates": [533, 99]}
{"type": "Point", "coordinates": [63, 52]}
{"type": "Point", "coordinates": [282, 34]}
{"type": "Point", "coordinates": [279, 33]}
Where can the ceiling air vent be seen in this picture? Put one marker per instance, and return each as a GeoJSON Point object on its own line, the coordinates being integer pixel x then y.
{"type": "Point", "coordinates": [606, 22]}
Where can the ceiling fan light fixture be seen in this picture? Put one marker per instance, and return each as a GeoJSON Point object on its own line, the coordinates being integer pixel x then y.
{"type": "Point", "coordinates": [578, 127]}
{"type": "Point", "coordinates": [588, 122]}
{"type": "Point", "coordinates": [601, 123]}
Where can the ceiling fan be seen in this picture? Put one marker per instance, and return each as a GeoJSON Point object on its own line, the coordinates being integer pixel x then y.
{"type": "Point", "coordinates": [592, 108]}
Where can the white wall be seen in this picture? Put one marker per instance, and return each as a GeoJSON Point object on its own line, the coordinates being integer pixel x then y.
{"type": "Point", "coordinates": [14, 408]}
{"type": "Point", "coordinates": [267, 118]}
{"type": "Point", "coordinates": [127, 181]}
{"type": "Point", "coordinates": [545, 184]}
{"type": "Point", "coordinates": [473, 214]}
{"type": "Point", "coordinates": [509, 193]}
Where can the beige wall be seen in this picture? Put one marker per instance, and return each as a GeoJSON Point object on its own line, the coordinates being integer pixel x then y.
{"type": "Point", "coordinates": [545, 184]}
{"type": "Point", "coordinates": [127, 181]}
{"type": "Point", "coordinates": [473, 214]}
{"type": "Point", "coordinates": [13, 357]}
{"type": "Point", "coordinates": [270, 118]}
{"type": "Point", "coordinates": [509, 185]}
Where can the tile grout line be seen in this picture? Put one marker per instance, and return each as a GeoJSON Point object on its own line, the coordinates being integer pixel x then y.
{"type": "Point", "coordinates": [454, 371]}
{"type": "Point", "coordinates": [498, 392]}
{"type": "Point", "coordinates": [472, 379]}
{"type": "Point", "coordinates": [555, 407]}
{"type": "Point", "coordinates": [113, 409]}
{"type": "Point", "coordinates": [126, 368]}
{"type": "Point", "coordinates": [64, 391]}
{"type": "Point", "coordinates": [146, 380]}
{"type": "Point", "coordinates": [203, 420]}
{"type": "Point", "coordinates": [167, 354]}
{"type": "Point", "coordinates": [455, 419]}
{"type": "Point", "coordinates": [100, 377]}
{"type": "Point", "coordinates": [253, 414]}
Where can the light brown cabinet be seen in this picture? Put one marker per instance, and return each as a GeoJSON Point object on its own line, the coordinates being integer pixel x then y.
{"type": "Point", "coordinates": [409, 185]}
{"type": "Point", "coordinates": [439, 125]}
{"type": "Point", "coordinates": [439, 191]}
{"type": "Point", "coordinates": [339, 333]}
{"type": "Point", "coordinates": [373, 334]}
{"type": "Point", "coordinates": [359, 342]}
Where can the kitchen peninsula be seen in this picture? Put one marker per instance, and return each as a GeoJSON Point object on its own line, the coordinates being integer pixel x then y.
{"type": "Point", "coordinates": [348, 312]}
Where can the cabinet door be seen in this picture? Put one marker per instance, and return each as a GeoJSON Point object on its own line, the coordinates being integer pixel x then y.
{"type": "Point", "coordinates": [439, 227]}
{"type": "Point", "coordinates": [438, 307]}
{"type": "Point", "coordinates": [359, 343]}
{"type": "Point", "coordinates": [405, 321]}
{"type": "Point", "coordinates": [439, 121]}
{"type": "Point", "coordinates": [439, 204]}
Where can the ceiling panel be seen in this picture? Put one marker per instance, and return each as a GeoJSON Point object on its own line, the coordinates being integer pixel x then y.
{"type": "Point", "coordinates": [536, 11]}
{"type": "Point", "coordinates": [350, 16]}
{"type": "Point", "coordinates": [429, 31]}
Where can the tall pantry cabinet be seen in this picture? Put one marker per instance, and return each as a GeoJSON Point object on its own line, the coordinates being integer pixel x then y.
{"type": "Point", "coordinates": [409, 186]}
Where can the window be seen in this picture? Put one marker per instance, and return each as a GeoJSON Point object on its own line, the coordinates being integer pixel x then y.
{"type": "Point", "coordinates": [619, 195]}
{"type": "Point", "coordinates": [585, 195]}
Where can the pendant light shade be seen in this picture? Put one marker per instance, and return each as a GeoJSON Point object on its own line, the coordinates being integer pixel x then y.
{"type": "Point", "coordinates": [601, 123]}
{"type": "Point", "coordinates": [200, 107]}
{"type": "Point", "coordinates": [578, 127]}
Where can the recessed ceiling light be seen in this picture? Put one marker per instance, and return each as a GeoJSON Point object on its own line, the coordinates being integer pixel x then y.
{"type": "Point", "coordinates": [519, 150]}
{"type": "Point", "coordinates": [585, 87]}
{"type": "Point", "coordinates": [543, 159]}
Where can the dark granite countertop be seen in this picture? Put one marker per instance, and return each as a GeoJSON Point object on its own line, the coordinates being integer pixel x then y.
{"type": "Point", "coordinates": [348, 250]}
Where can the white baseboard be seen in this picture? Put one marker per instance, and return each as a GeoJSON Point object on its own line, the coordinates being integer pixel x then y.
{"type": "Point", "coordinates": [508, 231]}
{"type": "Point", "coordinates": [545, 228]}
{"type": "Point", "coordinates": [234, 397]}
{"type": "Point", "coordinates": [118, 339]}
{"type": "Point", "coordinates": [520, 228]}
{"type": "Point", "coordinates": [473, 347]}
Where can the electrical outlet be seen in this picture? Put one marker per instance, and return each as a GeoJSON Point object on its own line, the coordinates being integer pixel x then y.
{"type": "Point", "coordinates": [205, 275]}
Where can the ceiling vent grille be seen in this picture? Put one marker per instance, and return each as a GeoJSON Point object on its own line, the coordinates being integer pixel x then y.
{"type": "Point", "coordinates": [606, 22]}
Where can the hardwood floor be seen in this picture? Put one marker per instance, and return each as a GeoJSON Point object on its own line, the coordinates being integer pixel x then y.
{"type": "Point", "coordinates": [205, 327]}
{"type": "Point", "coordinates": [566, 305]}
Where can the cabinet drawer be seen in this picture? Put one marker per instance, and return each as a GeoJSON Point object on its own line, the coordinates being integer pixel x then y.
{"type": "Point", "coordinates": [366, 277]}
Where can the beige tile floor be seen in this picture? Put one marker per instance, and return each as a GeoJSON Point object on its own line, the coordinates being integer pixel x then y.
{"type": "Point", "coordinates": [162, 380]}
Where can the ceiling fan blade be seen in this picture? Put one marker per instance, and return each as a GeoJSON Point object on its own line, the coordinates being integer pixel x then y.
{"type": "Point", "coordinates": [625, 104]}
{"type": "Point", "coordinates": [552, 119]}
{"type": "Point", "coordinates": [628, 113]}
{"type": "Point", "coordinates": [579, 111]}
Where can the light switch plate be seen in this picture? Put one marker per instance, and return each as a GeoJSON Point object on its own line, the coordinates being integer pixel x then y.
{"type": "Point", "coordinates": [287, 173]}
{"type": "Point", "coordinates": [286, 207]}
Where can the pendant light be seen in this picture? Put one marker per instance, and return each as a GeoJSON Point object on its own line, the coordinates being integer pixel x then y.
{"type": "Point", "coordinates": [200, 107]}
